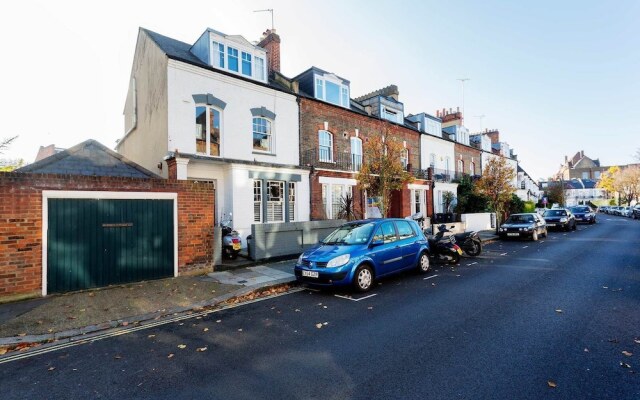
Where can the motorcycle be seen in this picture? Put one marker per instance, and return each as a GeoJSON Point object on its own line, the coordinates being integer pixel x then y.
{"type": "Point", "coordinates": [231, 242]}
{"type": "Point", "coordinates": [442, 248]}
{"type": "Point", "coordinates": [468, 241]}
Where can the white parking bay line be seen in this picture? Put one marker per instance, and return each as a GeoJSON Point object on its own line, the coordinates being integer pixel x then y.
{"type": "Point", "coordinates": [503, 254]}
{"type": "Point", "coordinates": [524, 247]}
{"type": "Point", "coordinates": [429, 277]}
{"type": "Point", "coordinates": [358, 299]}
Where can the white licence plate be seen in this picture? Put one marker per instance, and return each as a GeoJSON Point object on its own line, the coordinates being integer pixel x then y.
{"type": "Point", "coordinates": [551, 224]}
{"type": "Point", "coordinates": [513, 234]}
{"type": "Point", "coordinates": [237, 246]}
{"type": "Point", "coordinates": [310, 274]}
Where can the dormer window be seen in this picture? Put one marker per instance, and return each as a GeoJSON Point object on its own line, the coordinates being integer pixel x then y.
{"type": "Point", "coordinates": [246, 64]}
{"type": "Point", "coordinates": [232, 55]}
{"type": "Point", "coordinates": [331, 91]}
{"type": "Point", "coordinates": [218, 54]}
{"type": "Point", "coordinates": [391, 115]}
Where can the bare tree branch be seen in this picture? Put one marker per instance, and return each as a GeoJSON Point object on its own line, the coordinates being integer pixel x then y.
{"type": "Point", "coordinates": [5, 143]}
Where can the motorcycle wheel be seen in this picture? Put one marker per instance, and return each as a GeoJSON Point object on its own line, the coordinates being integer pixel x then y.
{"type": "Point", "coordinates": [474, 249]}
{"type": "Point", "coordinates": [455, 258]}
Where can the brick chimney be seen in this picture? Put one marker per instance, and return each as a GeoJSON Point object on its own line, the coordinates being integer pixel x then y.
{"type": "Point", "coordinates": [270, 41]}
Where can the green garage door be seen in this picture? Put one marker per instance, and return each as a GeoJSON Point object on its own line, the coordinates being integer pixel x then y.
{"type": "Point", "coordinates": [93, 243]}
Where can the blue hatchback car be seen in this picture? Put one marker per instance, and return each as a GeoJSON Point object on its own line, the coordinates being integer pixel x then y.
{"type": "Point", "coordinates": [359, 252]}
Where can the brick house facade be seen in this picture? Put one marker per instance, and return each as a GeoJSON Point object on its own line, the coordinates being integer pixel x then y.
{"type": "Point", "coordinates": [339, 175]}
{"type": "Point", "coordinates": [467, 160]}
{"type": "Point", "coordinates": [21, 223]}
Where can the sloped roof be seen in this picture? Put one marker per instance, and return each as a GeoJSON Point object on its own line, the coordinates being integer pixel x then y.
{"type": "Point", "coordinates": [181, 51]}
{"type": "Point", "coordinates": [88, 158]}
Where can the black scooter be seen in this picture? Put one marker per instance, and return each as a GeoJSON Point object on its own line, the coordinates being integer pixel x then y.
{"type": "Point", "coordinates": [441, 248]}
{"type": "Point", "coordinates": [469, 242]}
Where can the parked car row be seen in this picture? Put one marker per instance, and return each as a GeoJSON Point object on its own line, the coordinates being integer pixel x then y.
{"type": "Point", "coordinates": [623, 211]}
{"type": "Point", "coordinates": [534, 225]}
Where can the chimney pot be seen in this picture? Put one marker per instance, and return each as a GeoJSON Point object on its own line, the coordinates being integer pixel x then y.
{"type": "Point", "coordinates": [270, 41]}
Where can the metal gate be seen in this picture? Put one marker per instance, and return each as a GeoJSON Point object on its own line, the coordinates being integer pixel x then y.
{"type": "Point", "coordinates": [100, 242]}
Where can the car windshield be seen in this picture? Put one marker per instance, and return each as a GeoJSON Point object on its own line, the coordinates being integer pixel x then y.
{"type": "Point", "coordinates": [555, 213]}
{"type": "Point", "coordinates": [350, 234]}
{"type": "Point", "coordinates": [580, 209]}
{"type": "Point", "coordinates": [519, 219]}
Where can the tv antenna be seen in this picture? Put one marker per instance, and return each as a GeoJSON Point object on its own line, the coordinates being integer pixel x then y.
{"type": "Point", "coordinates": [480, 117]}
{"type": "Point", "coordinates": [267, 10]}
{"type": "Point", "coordinates": [462, 81]}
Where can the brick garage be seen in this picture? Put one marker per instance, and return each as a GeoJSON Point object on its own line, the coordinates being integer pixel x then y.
{"type": "Point", "coordinates": [342, 123]}
{"type": "Point", "coordinates": [21, 224]}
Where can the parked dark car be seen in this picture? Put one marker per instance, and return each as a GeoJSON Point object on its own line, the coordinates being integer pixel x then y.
{"type": "Point", "coordinates": [357, 253]}
{"type": "Point", "coordinates": [526, 225]}
{"type": "Point", "coordinates": [584, 214]}
{"type": "Point", "coordinates": [636, 212]}
{"type": "Point", "coordinates": [560, 218]}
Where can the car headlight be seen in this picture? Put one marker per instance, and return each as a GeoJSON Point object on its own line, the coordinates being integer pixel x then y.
{"type": "Point", "coordinates": [563, 219]}
{"type": "Point", "coordinates": [339, 261]}
{"type": "Point", "coordinates": [300, 259]}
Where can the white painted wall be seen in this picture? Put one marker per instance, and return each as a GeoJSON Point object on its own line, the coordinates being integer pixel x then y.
{"type": "Point", "coordinates": [234, 191]}
{"type": "Point", "coordinates": [486, 156]}
{"type": "Point", "coordinates": [477, 221]}
{"type": "Point", "coordinates": [185, 80]}
{"type": "Point", "coordinates": [146, 143]}
{"type": "Point", "coordinates": [440, 147]}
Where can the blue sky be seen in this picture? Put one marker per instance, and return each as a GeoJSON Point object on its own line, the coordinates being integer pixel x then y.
{"type": "Point", "coordinates": [553, 77]}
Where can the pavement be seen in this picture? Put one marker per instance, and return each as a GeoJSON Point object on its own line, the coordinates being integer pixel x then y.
{"type": "Point", "coordinates": [77, 315]}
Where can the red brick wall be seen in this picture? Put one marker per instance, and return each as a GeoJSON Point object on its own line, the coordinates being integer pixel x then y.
{"type": "Point", "coordinates": [342, 123]}
{"type": "Point", "coordinates": [467, 154]}
{"type": "Point", "coordinates": [21, 222]}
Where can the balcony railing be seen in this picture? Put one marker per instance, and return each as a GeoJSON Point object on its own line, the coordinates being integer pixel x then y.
{"type": "Point", "coordinates": [322, 158]}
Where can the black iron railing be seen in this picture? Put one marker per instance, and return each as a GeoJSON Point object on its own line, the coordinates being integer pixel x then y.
{"type": "Point", "coordinates": [323, 158]}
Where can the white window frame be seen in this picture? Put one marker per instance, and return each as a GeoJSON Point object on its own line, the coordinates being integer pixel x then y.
{"type": "Point", "coordinates": [217, 61]}
{"type": "Point", "coordinates": [404, 160]}
{"type": "Point", "coordinates": [237, 57]}
{"type": "Point", "coordinates": [249, 60]}
{"type": "Point", "coordinates": [259, 71]}
{"type": "Point", "coordinates": [328, 183]}
{"type": "Point", "coordinates": [208, 133]}
{"type": "Point", "coordinates": [320, 81]}
{"type": "Point", "coordinates": [274, 204]}
{"type": "Point", "coordinates": [356, 164]}
{"type": "Point", "coordinates": [461, 166]}
{"type": "Point", "coordinates": [292, 201]}
{"type": "Point", "coordinates": [472, 168]}
{"type": "Point", "coordinates": [257, 185]}
{"type": "Point", "coordinates": [330, 146]}
{"type": "Point", "coordinates": [271, 125]}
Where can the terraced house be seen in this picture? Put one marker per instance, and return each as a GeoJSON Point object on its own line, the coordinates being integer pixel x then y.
{"type": "Point", "coordinates": [214, 110]}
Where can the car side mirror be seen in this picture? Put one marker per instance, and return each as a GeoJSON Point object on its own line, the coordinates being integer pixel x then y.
{"type": "Point", "coordinates": [376, 242]}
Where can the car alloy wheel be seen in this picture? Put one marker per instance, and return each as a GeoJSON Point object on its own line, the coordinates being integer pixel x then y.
{"type": "Point", "coordinates": [423, 263]}
{"type": "Point", "coordinates": [534, 236]}
{"type": "Point", "coordinates": [363, 278]}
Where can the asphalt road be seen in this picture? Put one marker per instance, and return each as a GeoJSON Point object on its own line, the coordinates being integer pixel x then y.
{"type": "Point", "coordinates": [524, 315]}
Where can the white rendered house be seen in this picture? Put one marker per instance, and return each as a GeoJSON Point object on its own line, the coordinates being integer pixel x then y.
{"type": "Point", "coordinates": [218, 109]}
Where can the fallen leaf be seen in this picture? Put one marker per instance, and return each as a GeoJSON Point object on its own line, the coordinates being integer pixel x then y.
{"type": "Point", "coordinates": [117, 357]}
{"type": "Point", "coordinates": [170, 355]}
{"type": "Point", "coordinates": [552, 384]}
{"type": "Point", "coordinates": [3, 351]}
{"type": "Point", "coordinates": [325, 324]}
{"type": "Point", "coordinates": [22, 334]}
{"type": "Point", "coordinates": [297, 310]}
{"type": "Point", "coordinates": [218, 321]}
{"type": "Point", "coordinates": [559, 311]}
{"type": "Point", "coordinates": [637, 340]}
{"type": "Point", "coordinates": [40, 322]}
{"type": "Point", "coordinates": [71, 317]}
{"type": "Point", "coordinates": [586, 350]}
{"type": "Point", "coordinates": [51, 368]}
{"type": "Point", "coordinates": [83, 309]}
{"type": "Point", "coordinates": [626, 353]}
{"type": "Point", "coordinates": [433, 284]}
{"type": "Point", "coordinates": [205, 329]}
{"type": "Point", "coordinates": [91, 294]}
{"type": "Point", "coordinates": [624, 365]}
{"type": "Point", "coordinates": [151, 336]}
{"type": "Point", "coordinates": [201, 349]}
{"type": "Point", "coordinates": [125, 323]}
{"type": "Point", "coordinates": [49, 330]}
{"type": "Point", "coordinates": [605, 287]}
{"type": "Point", "coordinates": [318, 326]}
{"type": "Point", "coordinates": [369, 308]}
{"type": "Point", "coordinates": [182, 346]}
{"type": "Point", "coordinates": [240, 330]}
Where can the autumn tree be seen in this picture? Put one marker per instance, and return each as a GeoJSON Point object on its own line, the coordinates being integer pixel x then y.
{"type": "Point", "coordinates": [556, 192]}
{"type": "Point", "coordinates": [382, 171]}
{"type": "Point", "coordinates": [495, 183]}
{"type": "Point", "coordinates": [627, 183]}
{"type": "Point", "coordinates": [607, 180]}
